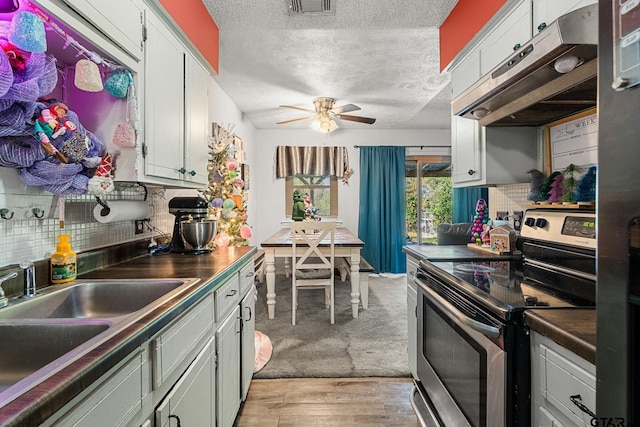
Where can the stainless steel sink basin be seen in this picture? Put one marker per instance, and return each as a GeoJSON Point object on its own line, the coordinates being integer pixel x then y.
{"type": "Point", "coordinates": [28, 347]}
{"type": "Point", "coordinates": [93, 299]}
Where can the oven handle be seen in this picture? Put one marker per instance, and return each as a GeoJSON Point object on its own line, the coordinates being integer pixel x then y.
{"type": "Point", "coordinates": [559, 269]}
{"type": "Point", "coordinates": [444, 305]}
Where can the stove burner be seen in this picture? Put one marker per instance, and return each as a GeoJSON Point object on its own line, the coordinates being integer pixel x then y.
{"type": "Point", "coordinates": [531, 301]}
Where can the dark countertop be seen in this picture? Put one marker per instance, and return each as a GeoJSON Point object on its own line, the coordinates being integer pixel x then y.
{"type": "Point", "coordinates": [41, 401]}
{"type": "Point", "coordinates": [452, 253]}
{"type": "Point", "coordinates": [572, 328]}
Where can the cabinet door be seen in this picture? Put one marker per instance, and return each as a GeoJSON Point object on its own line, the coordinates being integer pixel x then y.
{"type": "Point", "coordinates": [228, 372]}
{"type": "Point", "coordinates": [466, 149]}
{"type": "Point", "coordinates": [248, 348]}
{"type": "Point", "coordinates": [514, 29]}
{"type": "Point", "coordinates": [196, 121]}
{"type": "Point", "coordinates": [164, 101]}
{"type": "Point", "coordinates": [412, 317]}
{"type": "Point", "coordinates": [547, 11]}
{"type": "Point", "coordinates": [466, 72]}
{"type": "Point", "coordinates": [120, 20]}
{"type": "Point", "coordinates": [191, 401]}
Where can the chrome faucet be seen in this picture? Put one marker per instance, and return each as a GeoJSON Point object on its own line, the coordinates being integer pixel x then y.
{"type": "Point", "coordinates": [29, 272]}
{"type": "Point", "coordinates": [3, 299]}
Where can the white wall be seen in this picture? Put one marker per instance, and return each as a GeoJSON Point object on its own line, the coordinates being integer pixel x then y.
{"type": "Point", "coordinates": [267, 194]}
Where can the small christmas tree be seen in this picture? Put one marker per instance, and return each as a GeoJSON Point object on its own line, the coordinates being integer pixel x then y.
{"type": "Point", "coordinates": [546, 186]}
{"type": "Point", "coordinates": [480, 219]}
{"type": "Point", "coordinates": [570, 182]}
{"type": "Point", "coordinates": [225, 191]}
{"type": "Point", "coordinates": [557, 189]}
{"type": "Point", "coordinates": [586, 189]}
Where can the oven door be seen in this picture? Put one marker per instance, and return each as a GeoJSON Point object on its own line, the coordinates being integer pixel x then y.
{"type": "Point", "coordinates": [461, 358]}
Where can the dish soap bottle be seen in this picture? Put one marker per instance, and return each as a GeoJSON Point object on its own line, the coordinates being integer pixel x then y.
{"type": "Point", "coordinates": [63, 261]}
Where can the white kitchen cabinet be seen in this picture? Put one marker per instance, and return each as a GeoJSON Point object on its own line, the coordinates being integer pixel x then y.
{"type": "Point", "coordinates": [228, 372]}
{"type": "Point", "coordinates": [120, 20]}
{"type": "Point", "coordinates": [412, 316]}
{"type": "Point", "coordinates": [514, 29]}
{"type": "Point", "coordinates": [547, 11]}
{"type": "Point", "coordinates": [191, 401]}
{"type": "Point", "coordinates": [176, 110]}
{"type": "Point", "coordinates": [484, 156]}
{"type": "Point", "coordinates": [114, 402]}
{"type": "Point", "coordinates": [557, 376]}
{"type": "Point", "coordinates": [466, 73]}
{"type": "Point", "coordinates": [248, 348]}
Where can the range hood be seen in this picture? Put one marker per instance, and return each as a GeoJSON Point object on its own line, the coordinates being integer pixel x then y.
{"type": "Point", "coordinates": [526, 90]}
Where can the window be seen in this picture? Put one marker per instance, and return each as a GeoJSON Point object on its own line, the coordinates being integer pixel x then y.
{"type": "Point", "coordinates": [323, 191]}
{"type": "Point", "coordinates": [428, 198]}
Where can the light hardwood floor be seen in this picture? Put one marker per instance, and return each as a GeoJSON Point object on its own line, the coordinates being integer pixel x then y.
{"type": "Point", "coordinates": [328, 402]}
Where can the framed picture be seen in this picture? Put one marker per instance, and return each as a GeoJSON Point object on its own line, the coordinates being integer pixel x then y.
{"type": "Point", "coordinates": [245, 175]}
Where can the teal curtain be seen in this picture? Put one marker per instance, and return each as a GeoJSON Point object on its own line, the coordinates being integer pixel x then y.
{"type": "Point", "coordinates": [464, 202]}
{"type": "Point", "coordinates": [381, 220]}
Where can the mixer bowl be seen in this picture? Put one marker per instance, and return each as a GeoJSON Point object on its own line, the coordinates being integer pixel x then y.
{"type": "Point", "coordinates": [198, 233]}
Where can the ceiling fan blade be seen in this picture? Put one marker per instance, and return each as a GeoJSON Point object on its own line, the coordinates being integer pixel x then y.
{"type": "Point", "coordinates": [299, 119]}
{"type": "Point", "coordinates": [298, 108]}
{"type": "Point", "coordinates": [367, 120]}
{"type": "Point", "coordinates": [344, 109]}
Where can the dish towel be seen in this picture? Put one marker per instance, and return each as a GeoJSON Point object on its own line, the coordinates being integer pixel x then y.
{"type": "Point", "coordinates": [263, 351]}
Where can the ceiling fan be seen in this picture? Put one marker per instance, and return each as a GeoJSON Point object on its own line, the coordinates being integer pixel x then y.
{"type": "Point", "coordinates": [325, 113]}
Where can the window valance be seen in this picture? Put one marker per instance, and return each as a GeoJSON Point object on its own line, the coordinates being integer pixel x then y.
{"type": "Point", "coordinates": [318, 161]}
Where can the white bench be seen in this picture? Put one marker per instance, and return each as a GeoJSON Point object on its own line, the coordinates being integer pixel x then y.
{"type": "Point", "coordinates": [365, 269]}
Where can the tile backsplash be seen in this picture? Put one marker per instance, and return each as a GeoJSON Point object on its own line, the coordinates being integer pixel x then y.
{"type": "Point", "coordinates": [508, 198]}
{"type": "Point", "coordinates": [35, 239]}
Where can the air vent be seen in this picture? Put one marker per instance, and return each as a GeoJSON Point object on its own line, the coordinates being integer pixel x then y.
{"type": "Point", "coordinates": [316, 7]}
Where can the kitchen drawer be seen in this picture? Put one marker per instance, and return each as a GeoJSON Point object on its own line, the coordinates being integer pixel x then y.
{"type": "Point", "coordinates": [227, 296]}
{"type": "Point", "coordinates": [169, 349]}
{"type": "Point", "coordinates": [247, 277]}
{"type": "Point", "coordinates": [113, 403]}
{"type": "Point", "coordinates": [564, 376]}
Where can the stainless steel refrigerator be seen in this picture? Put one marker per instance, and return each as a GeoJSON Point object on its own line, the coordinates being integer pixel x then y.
{"type": "Point", "coordinates": [618, 208]}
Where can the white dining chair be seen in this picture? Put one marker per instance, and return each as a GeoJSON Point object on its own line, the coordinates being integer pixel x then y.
{"type": "Point", "coordinates": [313, 266]}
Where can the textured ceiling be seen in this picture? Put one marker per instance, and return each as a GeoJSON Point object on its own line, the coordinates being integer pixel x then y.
{"type": "Point", "coordinates": [382, 55]}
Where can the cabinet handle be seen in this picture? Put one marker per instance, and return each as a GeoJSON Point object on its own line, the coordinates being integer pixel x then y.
{"type": "Point", "coordinates": [177, 418]}
{"type": "Point", "coordinates": [182, 171]}
{"type": "Point", "coordinates": [250, 313]}
{"type": "Point", "coordinates": [542, 26]}
{"type": "Point", "coordinates": [516, 47]}
{"type": "Point", "coordinates": [471, 172]}
{"type": "Point", "coordinates": [192, 173]}
{"type": "Point", "coordinates": [250, 274]}
{"type": "Point", "coordinates": [6, 213]}
{"type": "Point", "coordinates": [577, 400]}
{"type": "Point", "coordinates": [232, 293]}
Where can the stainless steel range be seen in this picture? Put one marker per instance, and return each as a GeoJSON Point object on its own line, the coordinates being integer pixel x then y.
{"type": "Point", "coordinates": [473, 350]}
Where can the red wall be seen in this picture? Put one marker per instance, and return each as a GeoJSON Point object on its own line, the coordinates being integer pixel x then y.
{"type": "Point", "coordinates": [195, 21]}
{"type": "Point", "coordinates": [464, 21]}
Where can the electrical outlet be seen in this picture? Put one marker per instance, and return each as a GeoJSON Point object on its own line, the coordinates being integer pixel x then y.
{"type": "Point", "coordinates": [139, 226]}
{"type": "Point", "coordinates": [517, 220]}
{"type": "Point", "coordinates": [501, 214]}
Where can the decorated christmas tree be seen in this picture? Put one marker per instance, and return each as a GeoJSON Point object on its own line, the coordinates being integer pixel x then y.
{"type": "Point", "coordinates": [570, 182]}
{"type": "Point", "coordinates": [586, 190]}
{"type": "Point", "coordinates": [225, 191]}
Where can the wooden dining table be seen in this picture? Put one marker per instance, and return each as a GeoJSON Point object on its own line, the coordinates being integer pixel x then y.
{"type": "Point", "coordinates": [346, 244]}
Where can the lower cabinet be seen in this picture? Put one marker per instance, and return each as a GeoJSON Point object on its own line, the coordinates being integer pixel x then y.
{"type": "Point", "coordinates": [412, 316]}
{"type": "Point", "coordinates": [563, 385]}
{"type": "Point", "coordinates": [248, 348]}
{"type": "Point", "coordinates": [190, 401]}
{"type": "Point", "coordinates": [228, 374]}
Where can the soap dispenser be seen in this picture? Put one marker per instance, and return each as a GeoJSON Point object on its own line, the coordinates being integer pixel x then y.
{"type": "Point", "coordinates": [63, 261]}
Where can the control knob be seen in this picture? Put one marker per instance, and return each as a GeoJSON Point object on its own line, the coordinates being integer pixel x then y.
{"type": "Point", "coordinates": [541, 222]}
{"type": "Point", "coordinates": [530, 222]}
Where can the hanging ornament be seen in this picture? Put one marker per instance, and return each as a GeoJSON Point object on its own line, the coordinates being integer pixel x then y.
{"type": "Point", "coordinates": [26, 32]}
{"type": "Point", "coordinates": [88, 76]}
{"type": "Point", "coordinates": [117, 84]}
{"type": "Point", "coordinates": [245, 232]}
{"type": "Point", "coordinates": [228, 204]}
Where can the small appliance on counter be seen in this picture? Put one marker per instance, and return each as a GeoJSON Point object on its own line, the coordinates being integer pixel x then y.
{"type": "Point", "coordinates": [191, 231]}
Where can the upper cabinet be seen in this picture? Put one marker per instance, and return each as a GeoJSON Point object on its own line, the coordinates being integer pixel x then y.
{"type": "Point", "coordinates": [120, 20]}
{"type": "Point", "coordinates": [176, 110]}
{"type": "Point", "coordinates": [546, 11]}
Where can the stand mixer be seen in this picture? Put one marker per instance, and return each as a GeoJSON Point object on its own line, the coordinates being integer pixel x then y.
{"type": "Point", "coordinates": [189, 225]}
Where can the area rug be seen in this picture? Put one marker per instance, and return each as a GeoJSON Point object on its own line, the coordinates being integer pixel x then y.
{"type": "Point", "coordinates": [263, 351]}
{"type": "Point", "coordinates": [373, 345]}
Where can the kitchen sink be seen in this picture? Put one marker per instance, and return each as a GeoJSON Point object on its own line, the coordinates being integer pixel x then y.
{"type": "Point", "coordinates": [30, 346]}
{"type": "Point", "coordinates": [93, 299]}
